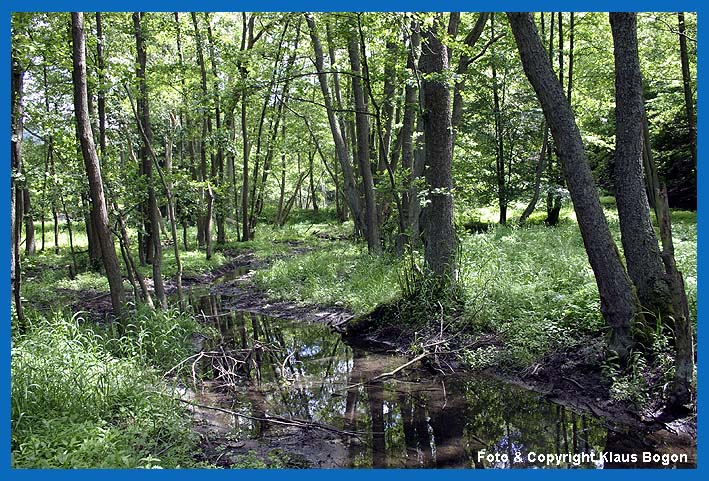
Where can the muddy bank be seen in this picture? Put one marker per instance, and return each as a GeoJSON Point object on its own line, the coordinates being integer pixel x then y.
{"type": "Point", "coordinates": [571, 377]}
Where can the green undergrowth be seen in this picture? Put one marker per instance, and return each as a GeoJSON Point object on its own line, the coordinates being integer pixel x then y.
{"type": "Point", "coordinates": [337, 273]}
{"type": "Point", "coordinates": [533, 286]}
{"type": "Point", "coordinates": [88, 396]}
{"type": "Point", "coordinates": [530, 286]}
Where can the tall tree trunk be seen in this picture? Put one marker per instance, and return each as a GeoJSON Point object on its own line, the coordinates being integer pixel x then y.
{"type": "Point", "coordinates": [167, 181]}
{"type": "Point", "coordinates": [17, 201]}
{"type": "Point", "coordinates": [30, 245]}
{"type": "Point", "coordinates": [384, 118]}
{"type": "Point", "coordinates": [282, 195]}
{"type": "Point", "coordinates": [363, 153]}
{"type": "Point", "coordinates": [407, 129]}
{"type": "Point", "coordinates": [541, 165]}
{"type": "Point", "coordinates": [274, 131]}
{"type": "Point", "coordinates": [687, 84]}
{"type": "Point", "coordinates": [619, 304]}
{"type": "Point", "coordinates": [246, 227]}
{"type": "Point", "coordinates": [101, 85]}
{"type": "Point", "coordinates": [499, 135]}
{"type": "Point", "coordinates": [439, 231]}
{"type": "Point", "coordinates": [570, 82]}
{"type": "Point", "coordinates": [50, 164]}
{"type": "Point", "coordinates": [217, 171]}
{"type": "Point", "coordinates": [544, 153]}
{"type": "Point", "coordinates": [258, 185]}
{"type": "Point", "coordinates": [70, 231]}
{"type": "Point", "coordinates": [90, 223]}
{"type": "Point", "coordinates": [93, 169]}
{"type": "Point", "coordinates": [554, 196]}
{"type": "Point", "coordinates": [204, 223]}
{"type": "Point", "coordinates": [311, 168]}
{"type": "Point", "coordinates": [640, 245]}
{"type": "Point", "coordinates": [147, 163]}
{"type": "Point", "coordinates": [341, 147]}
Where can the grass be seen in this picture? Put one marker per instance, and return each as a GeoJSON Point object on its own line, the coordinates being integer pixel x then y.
{"type": "Point", "coordinates": [532, 285]}
{"type": "Point", "coordinates": [338, 273]}
{"type": "Point", "coordinates": [81, 396]}
{"type": "Point", "coordinates": [45, 271]}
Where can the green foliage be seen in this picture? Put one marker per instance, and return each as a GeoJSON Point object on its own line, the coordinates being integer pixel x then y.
{"type": "Point", "coordinates": [159, 337]}
{"type": "Point", "coordinates": [74, 403]}
{"type": "Point", "coordinates": [482, 358]}
{"type": "Point", "coordinates": [275, 459]}
{"type": "Point", "coordinates": [335, 274]}
{"type": "Point", "coordinates": [534, 288]}
{"type": "Point", "coordinates": [628, 384]}
{"type": "Point", "coordinates": [517, 286]}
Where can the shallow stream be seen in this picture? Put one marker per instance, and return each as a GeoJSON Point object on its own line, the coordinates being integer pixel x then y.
{"type": "Point", "coordinates": [302, 397]}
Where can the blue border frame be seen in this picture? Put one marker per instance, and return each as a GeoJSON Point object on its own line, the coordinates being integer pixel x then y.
{"type": "Point", "coordinates": [338, 5]}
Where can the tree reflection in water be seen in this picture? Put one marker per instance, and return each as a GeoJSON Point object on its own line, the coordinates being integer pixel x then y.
{"type": "Point", "coordinates": [415, 419]}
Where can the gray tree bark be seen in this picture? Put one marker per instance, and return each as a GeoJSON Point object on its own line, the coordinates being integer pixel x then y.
{"type": "Point", "coordinates": [619, 304]}
{"type": "Point", "coordinates": [93, 169]}
{"type": "Point", "coordinates": [30, 244]}
{"type": "Point", "coordinates": [147, 163]}
{"type": "Point", "coordinates": [407, 132]}
{"type": "Point", "coordinates": [17, 201]}
{"type": "Point", "coordinates": [687, 84]}
{"type": "Point", "coordinates": [363, 148]}
{"type": "Point", "coordinates": [642, 253]}
{"type": "Point", "coordinates": [341, 147]}
{"type": "Point", "coordinates": [439, 231]}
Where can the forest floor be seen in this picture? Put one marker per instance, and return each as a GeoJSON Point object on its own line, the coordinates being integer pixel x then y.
{"type": "Point", "coordinates": [528, 313]}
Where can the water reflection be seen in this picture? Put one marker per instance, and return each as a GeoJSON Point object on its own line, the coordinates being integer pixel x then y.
{"type": "Point", "coordinates": [274, 368]}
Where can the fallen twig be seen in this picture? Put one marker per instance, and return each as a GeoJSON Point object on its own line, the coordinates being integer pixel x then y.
{"type": "Point", "coordinates": [275, 419]}
{"type": "Point", "coordinates": [390, 373]}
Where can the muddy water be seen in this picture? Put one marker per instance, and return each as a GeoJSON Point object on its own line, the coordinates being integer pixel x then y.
{"type": "Point", "coordinates": [303, 398]}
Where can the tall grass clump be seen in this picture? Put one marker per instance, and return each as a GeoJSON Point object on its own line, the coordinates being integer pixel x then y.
{"type": "Point", "coordinates": [77, 401]}
{"type": "Point", "coordinates": [160, 338]}
{"type": "Point", "coordinates": [336, 274]}
{"type": "Point", "coordinates": [532, 286]}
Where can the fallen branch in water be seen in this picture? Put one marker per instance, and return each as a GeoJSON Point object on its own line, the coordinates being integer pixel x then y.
{"type": "Point", "coordinates": [276, 419]}
{"type": "Point", "coordinates": [385, 375]}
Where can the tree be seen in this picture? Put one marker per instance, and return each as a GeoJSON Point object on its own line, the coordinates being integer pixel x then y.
{"type": "Point", "coordinates": [204, 223]}
{"type": "Point", "coordinates": [17, 198]}
{"type": "Point", "coordinates": [363, 147]}
{"type": "Point", "coordinates": [659, 284]}
{"type": "Point", "coordinates": [91, 163]}
{"type": "Point", "coordinates": [146, 164]}
{"type": "Point", "coordinates": [410, 205]}
{"type": "Point", "coordinates": [341, 147]}
{"type": "Point", "coordinates": [499, 136]}
{"type": "Point", "coordinates": [439, 232]}
{"type": "Point", "coordinates": [619, 304]}
{"type": "Point", "coordinates": [687, 84]}
{"type": "Point", "coordinates": [640, 245]}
